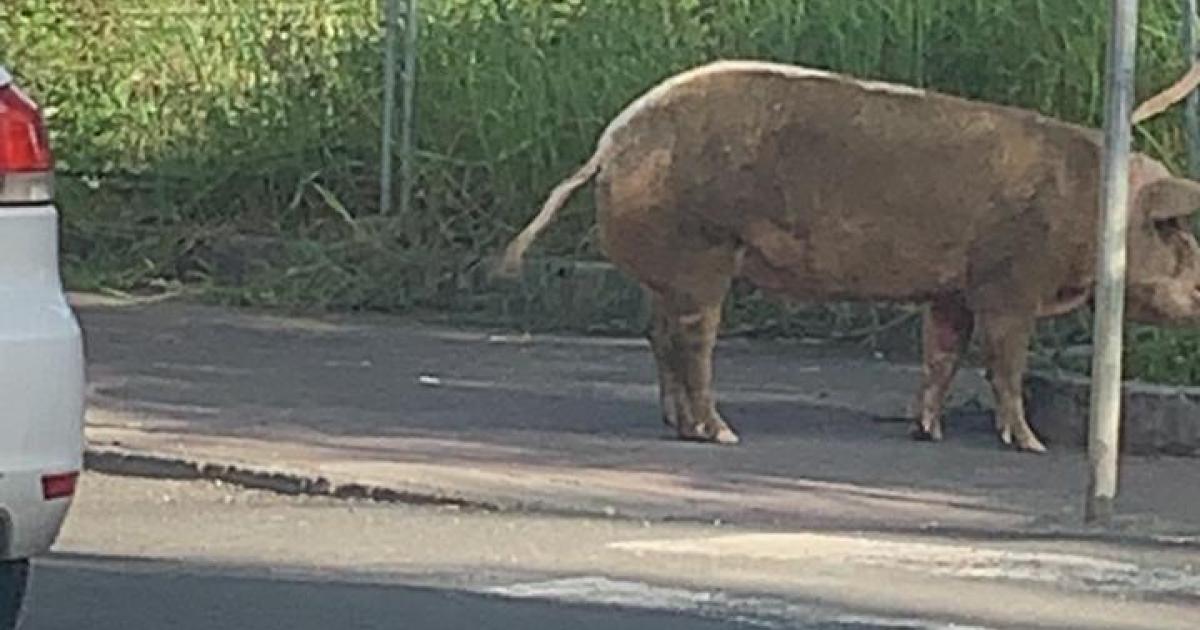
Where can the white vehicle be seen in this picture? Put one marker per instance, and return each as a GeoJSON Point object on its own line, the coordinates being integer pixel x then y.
{"type": "Point", "coordinates": [41, 354]}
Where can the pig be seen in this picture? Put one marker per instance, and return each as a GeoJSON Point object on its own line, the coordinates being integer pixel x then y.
{"type": "Point", "coordinates": [817, 186]}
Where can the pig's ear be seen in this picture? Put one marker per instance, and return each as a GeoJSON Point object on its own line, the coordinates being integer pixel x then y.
{"type": "Point", "coordinates": [1168, 198]}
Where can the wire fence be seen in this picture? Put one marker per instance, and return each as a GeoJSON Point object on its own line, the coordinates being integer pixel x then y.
{"type": "Point", "coordinates": [372, 165]}
{"type": "Point", "coordinates": [190, 95]}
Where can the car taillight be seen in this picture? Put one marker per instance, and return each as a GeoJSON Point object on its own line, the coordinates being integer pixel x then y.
{"type": "Point", "coordinates": [59, 486]}
{"type": "Point", "coordinates": [26, 162]}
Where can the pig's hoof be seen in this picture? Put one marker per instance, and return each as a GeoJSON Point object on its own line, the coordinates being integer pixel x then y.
{"type": "Point", "coordinates": [716, 434]}
{"type": "Point", "coordinates": [1031, 444]}
{"type": "Point", "coordinates": [726, 436]}
{"type": "Point", "coordinates": [925, 432]}
{"type": "Point", "coordinates": [1023, 442]}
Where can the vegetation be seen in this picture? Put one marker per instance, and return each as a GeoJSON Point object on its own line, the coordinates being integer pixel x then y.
{"type": "Point", "coordinates": [233, 145]}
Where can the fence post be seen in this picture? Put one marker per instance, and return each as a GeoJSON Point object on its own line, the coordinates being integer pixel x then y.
{"type": "Point", "coordinates": [1104, 421]}
{"type": "Point", "coordinates": [1191, 111]}
{"type": "Point", "coordinates": [386, 177]}
{"type": "Point", "coordinates": [408, 123]}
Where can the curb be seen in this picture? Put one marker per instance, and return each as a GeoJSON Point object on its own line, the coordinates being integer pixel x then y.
{"type": "Point", "coordinates": [1155, 419]}
{"type": "Point", "coordinates": [147, 465]}
{"type": "Point", "coordinates": [124, 463]}
{"type": "Point", "coordinates": [152, 466]}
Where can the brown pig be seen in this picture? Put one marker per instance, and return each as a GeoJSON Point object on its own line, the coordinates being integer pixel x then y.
{"type": "Point", "coordinates": [817, 186]}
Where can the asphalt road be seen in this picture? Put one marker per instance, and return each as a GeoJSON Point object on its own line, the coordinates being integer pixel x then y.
{"type": "Point", "coordinates": [98, 594]}
{"type": "Point", "coordinates": [140, 554]}
{"type": "Point", "coordinates": [147, 555]}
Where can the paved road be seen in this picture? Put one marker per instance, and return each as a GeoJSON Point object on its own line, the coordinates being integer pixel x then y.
{"type": "Point", "coordinates": [103, 595]}
{"type": "Point", "coordinates": [572, 424]}
{"type": "Point", "coordinates": [140, 554]}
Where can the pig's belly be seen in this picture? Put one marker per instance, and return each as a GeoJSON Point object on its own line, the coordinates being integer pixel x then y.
{"type": "Point", "coordinates": [854, 275]}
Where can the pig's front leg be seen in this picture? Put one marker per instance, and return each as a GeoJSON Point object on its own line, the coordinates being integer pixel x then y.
{"type": "Point", "coordinates": [1005, 339]}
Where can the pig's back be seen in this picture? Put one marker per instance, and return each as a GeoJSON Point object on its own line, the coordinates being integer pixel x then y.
{"type": "Point", "coordinates": [848, 188]}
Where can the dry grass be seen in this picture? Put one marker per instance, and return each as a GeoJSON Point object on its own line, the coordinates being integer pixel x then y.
{"type": "Point", "coordinates": [180, 123]}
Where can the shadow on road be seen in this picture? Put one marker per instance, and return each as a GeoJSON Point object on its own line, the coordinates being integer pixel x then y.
{"type": "Point", "coordinates": [573, 423]}
{"type": "Point", "coordinates": [98, 593]}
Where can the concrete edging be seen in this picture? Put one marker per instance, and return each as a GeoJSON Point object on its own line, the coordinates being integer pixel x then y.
{"type": "Point", "coordinates": [126, 463]}
{"type": "Point", "coordinates": [1156, 419]}
{"type": "Point", "coordinates": [147, 465]}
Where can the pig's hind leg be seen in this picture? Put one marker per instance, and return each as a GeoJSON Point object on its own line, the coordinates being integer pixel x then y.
{"type": "Point", "coordinates": [670, 383]}
{"type": "Point", "coordinates": [683, 337]}
{"type": "Point", "coordinates": [946, 330]}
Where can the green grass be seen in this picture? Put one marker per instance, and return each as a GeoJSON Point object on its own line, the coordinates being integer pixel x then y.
{"type": "Point", "coordinates": [181, 124]}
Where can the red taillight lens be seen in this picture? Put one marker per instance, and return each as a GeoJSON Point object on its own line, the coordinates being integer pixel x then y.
{"type": "Point", "coordinates": [24, 146]}
{"type": "Point", "coordinates": [59, 486]}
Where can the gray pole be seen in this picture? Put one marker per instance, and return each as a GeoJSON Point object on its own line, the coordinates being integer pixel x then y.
{"type": "Point", "coordinates": [407, 148]}
{"type": "Point", "coordinates": [389, 106]}
{"type": "Point", "coordinates": [1104, 427]}
{"type": "Point", "coordinates": [1191, 112]}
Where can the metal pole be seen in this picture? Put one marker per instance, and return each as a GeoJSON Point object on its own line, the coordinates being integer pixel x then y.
{"type": "Point", "coordinates": [1104, 427]}
{"type": "Point", "coordinates": [407, 143]}
{"type": "Point", "coordinates": [1191, 111]}
{"type": "Point", "coordinates": [389, 106]}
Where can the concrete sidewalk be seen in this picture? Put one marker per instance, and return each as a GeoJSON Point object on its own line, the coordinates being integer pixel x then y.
{"type": "Point", "coordinates": [399, 410]}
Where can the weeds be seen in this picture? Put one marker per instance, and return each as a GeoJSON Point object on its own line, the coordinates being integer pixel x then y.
{"type": "Point", "coordinates": [189, 128]}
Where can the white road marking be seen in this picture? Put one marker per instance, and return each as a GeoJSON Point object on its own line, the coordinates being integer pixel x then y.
{"type": "Point", "coordinates": [756, 611]}
{"type": "Point", "coordinates": [1079, 572]}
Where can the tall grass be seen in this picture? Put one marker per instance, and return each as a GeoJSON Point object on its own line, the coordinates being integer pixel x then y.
{"type": "Point", "coordinates": [181, 123]}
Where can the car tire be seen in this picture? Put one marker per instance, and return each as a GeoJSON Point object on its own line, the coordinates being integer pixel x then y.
{"type": "Point", "coordinates": [14, 577]}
